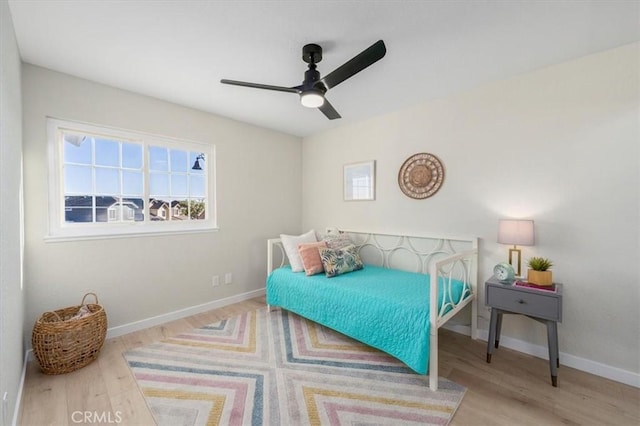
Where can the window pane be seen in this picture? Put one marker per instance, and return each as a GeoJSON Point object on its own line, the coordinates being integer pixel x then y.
{"type": "Point", "coordinates": [103, 206]}
{"type": "Point", "coordinates": [158, 159]}
{"type": "Point", "coordinates": [179, 209]}
{"type": "Point", "coordinates": [107, 153]}
{"type": "Point", "coordinates": [159, 210]}
{"type": "Point", "coordinates": [78, 209]}
{"type": "Point", "coordinates": [77, 180]}
{"type": "Point", "coordinates": [77, 149]}
{"type": "Point", "coordinates": [179, 185]}
{"type": "Point", "coordinates": [107, 207]}
{"type": "Point", "coordinates": [158, 184]}
{"type": "Point", "coordinates": [196, 209]}
{"type": "Point", "coordinates": [132, 183]}
{"type": "Point", "coordinates": [134, 209]}
{"type": "Point", "coordinates": [178, 161]}
{"type": "Point", "coordinates": [197, 186]}
{"type": "Point", "coordinates": [107, 181]}
{"type": "Point", "coordinates": [131, 156]}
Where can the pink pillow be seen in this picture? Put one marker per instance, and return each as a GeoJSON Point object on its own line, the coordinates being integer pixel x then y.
{"type": "Point", "coordinates": [310, 256]}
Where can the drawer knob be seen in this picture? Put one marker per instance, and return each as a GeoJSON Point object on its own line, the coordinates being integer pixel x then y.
{"type": "Point", "coordinates": [522, 302]}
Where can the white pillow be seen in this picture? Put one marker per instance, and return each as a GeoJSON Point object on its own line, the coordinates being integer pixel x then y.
{"type": "Point", "coordinates": [290, 244]}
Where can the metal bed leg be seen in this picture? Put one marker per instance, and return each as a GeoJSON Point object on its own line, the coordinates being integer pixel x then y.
{"type": "Point", "coordinates": [433, 359]}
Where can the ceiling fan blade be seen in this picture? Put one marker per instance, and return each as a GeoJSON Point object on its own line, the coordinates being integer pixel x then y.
{"type": "Point", "coordinates": [261, 86]}
{"type": "Point", "coordinates": [328, 110]}
{"type": "Point", "coordinates": [367, 57]}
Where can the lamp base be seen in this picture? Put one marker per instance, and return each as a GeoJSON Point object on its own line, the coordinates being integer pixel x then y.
{"type": "Point", "coordinates": [517, 264]}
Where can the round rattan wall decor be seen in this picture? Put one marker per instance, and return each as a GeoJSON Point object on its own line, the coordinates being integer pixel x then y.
{"type": "Point", "coordinates": [421, 176]}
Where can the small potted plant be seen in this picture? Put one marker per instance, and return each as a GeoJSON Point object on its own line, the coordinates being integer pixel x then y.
{"type": "Point", "coordinates": [539, 272]}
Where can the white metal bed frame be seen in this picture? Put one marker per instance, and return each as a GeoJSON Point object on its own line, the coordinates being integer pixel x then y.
{"type": "Point", "coordinates": [446, 257]}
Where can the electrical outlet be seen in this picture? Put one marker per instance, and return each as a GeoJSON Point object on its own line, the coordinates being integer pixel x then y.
{"type": "Point", "coordinates": [215, 281]}
{"type": "Point", "coordinates": [228, 278]}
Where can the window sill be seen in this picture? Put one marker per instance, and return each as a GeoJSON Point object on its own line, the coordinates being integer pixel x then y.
{"type": "Point", "coordinates": [85, 236]}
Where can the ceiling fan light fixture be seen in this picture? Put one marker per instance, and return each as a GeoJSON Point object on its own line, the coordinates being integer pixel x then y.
{"type": "Point", "coordinates": [312, 99]}
{"type": "Point", "coordinates": [314, 87]}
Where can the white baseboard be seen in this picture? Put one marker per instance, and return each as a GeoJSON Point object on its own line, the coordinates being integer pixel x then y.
{"type": "Point", "coordinates": [613, 373]}
{"type": "Point", "coordinates": [16, 413]}
{"type": "Point", "coordinates": [172, 316]}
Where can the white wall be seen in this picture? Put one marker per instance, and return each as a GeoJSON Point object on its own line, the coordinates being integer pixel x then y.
{"type": "Point", "coordinates": [258, 193]}
{"type": "Point", "coordinates": [559, 145]}
{"type": "Point", "coordinates": [11, 293]}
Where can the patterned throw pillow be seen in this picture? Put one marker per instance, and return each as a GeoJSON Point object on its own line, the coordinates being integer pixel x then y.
{"type": "Point", "coordinates": [337, 241]}
{"type": "Point", "coordinates": [340, 261]}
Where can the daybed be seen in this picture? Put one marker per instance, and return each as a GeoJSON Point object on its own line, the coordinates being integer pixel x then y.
{"type": "Point", "coordinates": [390, 304]}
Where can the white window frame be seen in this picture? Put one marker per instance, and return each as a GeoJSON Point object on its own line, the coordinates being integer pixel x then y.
{"type": "Point", "coordinates": [59, 230]}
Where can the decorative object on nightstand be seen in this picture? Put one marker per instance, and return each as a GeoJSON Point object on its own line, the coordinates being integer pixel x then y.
{"type": "Point", "coordinates": [527, 284]}
{"type": "Point", "coordinates": [544, 306]}
{"type": "Point", "coordinates": [504, 272]}
{"type": "Point", "coordinates": [538, 272]}
{"type": "Point", "coordinates": [519, 233]}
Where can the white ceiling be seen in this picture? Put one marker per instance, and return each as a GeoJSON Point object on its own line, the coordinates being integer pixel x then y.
{"type": "Point", "coordinates": [179, 50]}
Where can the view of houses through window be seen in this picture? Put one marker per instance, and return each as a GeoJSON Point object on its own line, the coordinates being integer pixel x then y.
{"type": "Point", "coordinates": [104, 181]}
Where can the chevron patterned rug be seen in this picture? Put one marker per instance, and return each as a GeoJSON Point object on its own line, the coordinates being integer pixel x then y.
{"type": "Point", "coordinates": [276, 368]}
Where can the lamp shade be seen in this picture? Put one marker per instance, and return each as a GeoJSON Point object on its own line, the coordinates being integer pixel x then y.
{"type": "Point", "coordinates": [515, 231]}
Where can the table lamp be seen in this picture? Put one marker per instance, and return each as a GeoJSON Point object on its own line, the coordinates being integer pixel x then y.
{"type": "Point", "coordinates": [517, 232]}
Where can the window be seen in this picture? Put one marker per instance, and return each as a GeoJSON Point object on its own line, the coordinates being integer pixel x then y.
{"type": "Point", "coordinates": [106, 182]}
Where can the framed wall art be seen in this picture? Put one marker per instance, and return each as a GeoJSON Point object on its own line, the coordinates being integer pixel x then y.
{"type": "Point", "coordinates": [360, 181]}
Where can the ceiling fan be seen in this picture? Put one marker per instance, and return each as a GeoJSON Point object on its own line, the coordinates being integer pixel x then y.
{"type": "Point", "coordinates": [313, 88]}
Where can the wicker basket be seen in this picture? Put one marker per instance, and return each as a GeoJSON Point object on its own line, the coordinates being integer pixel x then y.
{"type": "Point", "coordinates": [63, 344]}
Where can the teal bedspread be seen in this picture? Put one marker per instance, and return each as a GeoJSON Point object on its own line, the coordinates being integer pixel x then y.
{"type": "Point", "coordinates": [384, 308]}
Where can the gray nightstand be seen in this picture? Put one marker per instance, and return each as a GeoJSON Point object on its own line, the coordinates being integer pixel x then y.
{"type": "Point", "coordinates": [540, 305]}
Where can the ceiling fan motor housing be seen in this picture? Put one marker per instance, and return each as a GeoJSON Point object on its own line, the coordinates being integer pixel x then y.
{"type": "Point", "coordinates": [311, 77]}
{"type": "Point", "coordinates": [312, 53]}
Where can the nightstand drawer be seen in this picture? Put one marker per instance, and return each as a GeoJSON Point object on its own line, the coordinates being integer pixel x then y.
{"type": "Point", "coordinates": [536, 304]}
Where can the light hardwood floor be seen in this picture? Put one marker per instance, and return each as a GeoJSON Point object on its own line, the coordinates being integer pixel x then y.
{"type": "Point", "coordinates": [514, 389]}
